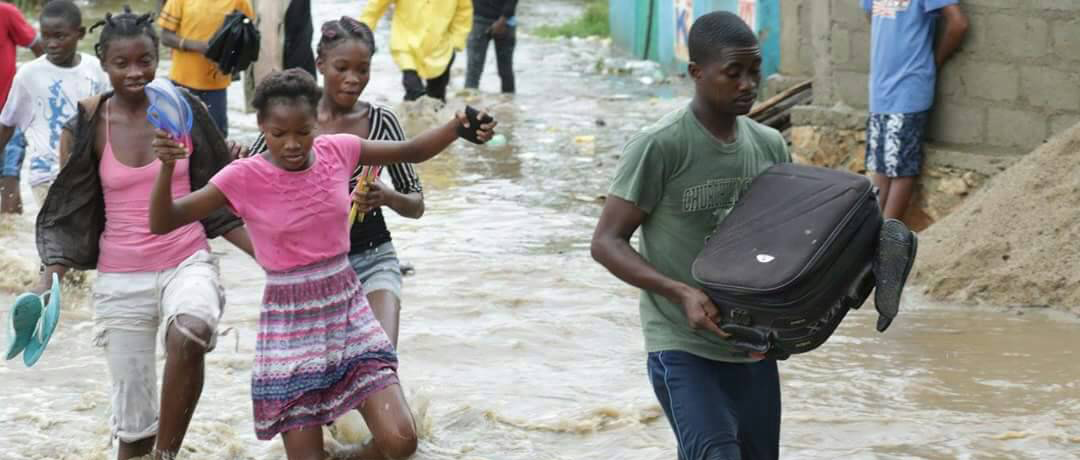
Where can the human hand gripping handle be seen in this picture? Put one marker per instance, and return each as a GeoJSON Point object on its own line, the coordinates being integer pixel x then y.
{"type": "Point", "coordinates": [168, 150]}
{"type": "Point", "coordinates": [702, 313]}
{"type": "Point", "coordinates": [476, 127]}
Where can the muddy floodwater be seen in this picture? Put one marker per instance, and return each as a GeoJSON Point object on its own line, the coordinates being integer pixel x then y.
{"type": "Point", "coordinates": [515, 345]}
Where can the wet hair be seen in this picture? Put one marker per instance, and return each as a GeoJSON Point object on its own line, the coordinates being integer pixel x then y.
{"type": "Point", "coordinates": [285, 87]}
{"type": "Point", "coordinates": [715, 31]}
{"type": "Point", "coordinates": [124, 25]}
{"type": "Point", "coordinates": [337, 31]}
{"type": "Point", "coordinates": [63, 9]}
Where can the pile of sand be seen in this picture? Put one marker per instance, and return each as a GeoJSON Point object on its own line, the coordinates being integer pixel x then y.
{"type": "Point", "coordinates": [1017, 241]}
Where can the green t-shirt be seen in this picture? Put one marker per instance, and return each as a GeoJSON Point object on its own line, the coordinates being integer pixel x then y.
{"type": "Point", "coordinates": [687, 181]}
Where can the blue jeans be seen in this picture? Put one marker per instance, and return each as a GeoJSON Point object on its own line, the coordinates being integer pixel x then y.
{"type": "Point", "coordinates": [14, 152]}
{"type": "Point", "coordinates": [718, 410]}
{"type": "Point", "coordinates": [217, 102]}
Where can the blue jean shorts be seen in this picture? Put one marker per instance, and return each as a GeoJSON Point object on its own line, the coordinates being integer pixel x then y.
{"type": "Point", "coordinates": [894, 143]}
{"type": "Point", "coordinates": [378, 269]}
{"type": "Point", "coordinates": [14, 152]}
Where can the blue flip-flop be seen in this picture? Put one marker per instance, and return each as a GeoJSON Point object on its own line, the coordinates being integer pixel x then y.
{"type": "Point", "coordinates": [22, 321]}
{"type": "Point", "coordinates": [168, 110]}
{"type": "Point", "coordinates": [50, 317]}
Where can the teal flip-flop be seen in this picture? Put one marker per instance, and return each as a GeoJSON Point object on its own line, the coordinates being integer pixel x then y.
{"type": "Point", "coordinates": [22, 321]}
{"type": "Point", "coordinates": [49, 319]}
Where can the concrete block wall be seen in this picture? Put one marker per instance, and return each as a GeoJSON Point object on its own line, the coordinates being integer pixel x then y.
{"type": "Point", "coordinates": [1014, 83]}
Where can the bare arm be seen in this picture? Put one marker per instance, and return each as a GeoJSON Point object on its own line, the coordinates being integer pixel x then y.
{"type": "Point", "coordinates": [6, 132]}
{"type": "Point", "coordinates": [167, 215]}
{"type": "Point", "coordinates": [611, 248]}
{"type": "Point", "coordinates": [379, 194]}
{"type": "Point", "coordinates": [37, 48]}
{"type": "Point", "coordinates": [956, 26]}
{"type": "Point", "coordinates": [409, 205]}
{"type": "Point", "coordinates": [239, 237]}
{"type": "Point", "coordinates": [45, 281]}
{"type": "Point", "coordinates": [420, 148]}
{"type": "Point", "coordinates": [170, 39]}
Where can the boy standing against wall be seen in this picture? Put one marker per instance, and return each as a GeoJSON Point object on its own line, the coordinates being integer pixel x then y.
{"type": "Point", "coordinates": [903, 70]}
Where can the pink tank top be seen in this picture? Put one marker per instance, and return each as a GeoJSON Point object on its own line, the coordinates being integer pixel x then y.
{"type": "Point", "coordinates": [127, 244]}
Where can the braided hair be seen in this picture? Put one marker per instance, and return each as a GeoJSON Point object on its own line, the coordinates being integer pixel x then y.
{"type": "Point", "coordinates": [337, 31]}
{"type": "Point", "coordinates": [290, 86]}
{"type": "Point", "coordinates": [124, 25]}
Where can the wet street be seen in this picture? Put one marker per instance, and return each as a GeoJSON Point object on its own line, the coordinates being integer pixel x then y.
{"type": "Point", "coordinates": [515, 345]}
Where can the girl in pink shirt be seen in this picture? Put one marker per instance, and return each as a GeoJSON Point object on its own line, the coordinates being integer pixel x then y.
{"type": "Point", "coordinates": [320, 351]}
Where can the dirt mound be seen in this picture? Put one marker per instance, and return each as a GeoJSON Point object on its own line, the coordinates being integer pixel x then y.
{"type": "Point", "coordinates": [1015, 242]}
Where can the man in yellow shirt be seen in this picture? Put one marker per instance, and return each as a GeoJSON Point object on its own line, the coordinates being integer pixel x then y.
{"type": "Point", "coordinates": [186, 27]}
{"type": "Point", "coordinates": [424, 37]}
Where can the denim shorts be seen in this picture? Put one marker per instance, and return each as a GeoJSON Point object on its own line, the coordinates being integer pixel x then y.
{"type": "Point", "coordinates": [894, 143]}
{"type": "Point", "coordinates": [14, 152]}
{"type": "Point", "coordinates": [378, 269]}
{"type": "Point", "coordinates": [719, 410]}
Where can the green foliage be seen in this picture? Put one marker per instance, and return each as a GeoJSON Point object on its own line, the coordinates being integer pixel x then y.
{"type": "Point", "coordinates": [594, 23]}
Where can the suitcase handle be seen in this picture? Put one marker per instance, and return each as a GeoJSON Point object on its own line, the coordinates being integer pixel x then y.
{"type": "Point", "coordinates": [747, 338]}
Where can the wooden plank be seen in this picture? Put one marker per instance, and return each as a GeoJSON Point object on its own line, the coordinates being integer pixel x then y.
{"type": "Point", "coordinates": [758, 109]}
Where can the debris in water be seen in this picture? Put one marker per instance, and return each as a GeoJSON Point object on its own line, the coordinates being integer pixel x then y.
{"type": "Point", "coordinates": [1012, 435]}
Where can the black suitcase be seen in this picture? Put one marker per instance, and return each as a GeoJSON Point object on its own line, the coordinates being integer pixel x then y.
{"type": "Point", "coordinates": [792, 257]}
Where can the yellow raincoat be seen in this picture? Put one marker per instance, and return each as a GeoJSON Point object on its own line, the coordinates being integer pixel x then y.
{"type": "Point", "coordinates": [424, 33]}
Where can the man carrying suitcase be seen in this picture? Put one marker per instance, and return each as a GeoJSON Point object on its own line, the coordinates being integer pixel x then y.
{"type": "Point", "coordinates": [676, 181]}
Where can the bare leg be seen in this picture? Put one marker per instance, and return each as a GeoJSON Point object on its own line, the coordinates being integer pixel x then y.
{"type": "Point", "coordinates": [900, 191]}
{"type": "Point", "coordinates": [883, 183]}
{"type": "Point", "coordinates": [10, 198]}
{"type": "Point", "coordinates": [387, 309]}
{"type": "Point", "coordinates": [182, 384]}
{"type": "Point", "coordinates": [135, 450]}
{"type": "Point", "coordinates": [393, 430]}
{"type": "Point", "coordinates": [304, 444]}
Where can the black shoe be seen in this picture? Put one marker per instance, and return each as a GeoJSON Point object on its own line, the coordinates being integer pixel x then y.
{"type": "Point", "coordinates": [897, 246]}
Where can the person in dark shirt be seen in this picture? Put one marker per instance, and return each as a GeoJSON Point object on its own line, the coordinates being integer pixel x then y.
{"type": "Point", "coordinates": [492, 19]}
{"type": "Point", "coordinates": [298, 32]}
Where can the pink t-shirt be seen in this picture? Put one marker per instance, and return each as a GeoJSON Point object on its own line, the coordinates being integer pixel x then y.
{"type": "Point", "coordinates": [294, 218]}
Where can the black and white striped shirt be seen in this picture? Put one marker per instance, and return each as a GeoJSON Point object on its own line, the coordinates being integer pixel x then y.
{"type": "Point", "coordinates": [372, 231]}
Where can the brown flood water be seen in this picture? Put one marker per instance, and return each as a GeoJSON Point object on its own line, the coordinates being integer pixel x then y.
{"type": "Point", "coordinates": [515, 345]}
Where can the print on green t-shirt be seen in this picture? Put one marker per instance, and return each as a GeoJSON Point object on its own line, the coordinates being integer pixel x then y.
{"type": "Point", "coordinates": [687, 181]}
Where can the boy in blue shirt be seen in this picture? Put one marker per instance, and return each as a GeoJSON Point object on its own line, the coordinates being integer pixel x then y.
{"type": "Point", "coordinates": [903, 69]}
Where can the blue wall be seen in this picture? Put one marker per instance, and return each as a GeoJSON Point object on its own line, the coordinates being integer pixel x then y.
{"type": "Point", "coordinates": [629, 29]}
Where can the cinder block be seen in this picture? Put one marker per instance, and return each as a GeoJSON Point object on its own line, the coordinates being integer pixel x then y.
{"type": "Point", "coordinates": [1014, 35]}
{"type": "Point", "coordinates": [994, 3]}
{"type": "Point", "coordinates": [851, 88]}
{"type": "Point", "coordinates": [989, 80]}
{"type": "Point", "coordinates": [1067, 39]}
{"type": "Point", "coordinates": [841, 45]}
{"type": "Point", "coordinates": [957, 124]}
{"type": "Point", "coordinates": [1016, 128]}
{"type": "Point", "coordinates": [850, 14]}
{"type": "Point", "coordinates": [1059, 5]}
{"type": "Point", "coordinates": [1062, 122]}
{"type": "Point", "coordinates": [1046, 87]}
{"type": "Point", "coordinates": [860, 51]}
